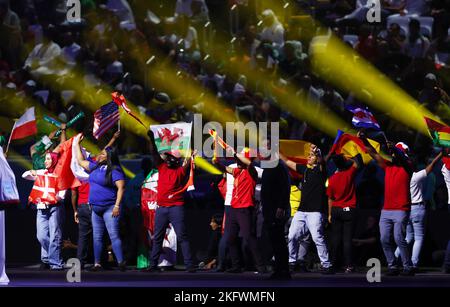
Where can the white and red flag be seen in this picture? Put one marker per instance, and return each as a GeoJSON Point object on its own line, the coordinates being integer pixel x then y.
{"type": "Point", "coordinates": [25, 126]}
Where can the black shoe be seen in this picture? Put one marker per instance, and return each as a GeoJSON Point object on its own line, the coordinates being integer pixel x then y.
{"type": "Point", "coordinates": [122, 266]}
{"type": "Point", "coordinates": [302, 268]}
{"type": "Point", "coordinates": [234, 270]}
{"type": "Point", "coordinates": [292, 267]}
{"type": "Point", "coordinates": [57, 269]}
{"type": "Point", "coordinates": [96, 268]}
{"type": "Point", "coordinates": [191, 269]}
{"type": "Point", "coordinates": [407, 272]}
{"type": "Point", "coordinates": [262, 269]}
{"type": "Point", "coordinates": [44, 267]}
{"type": "Point", "coordinates": [153, 270]}
{"type": "Point", "coordinates": [280, 276]}
{"type": "Point", "coordinates": [327, 271]}
{"type": "Point", "coordinates": [392, 272]}
{"type": "Point", "coordinates": [219, 269]}
{"type": "Point", "coordinates": [349, 270]}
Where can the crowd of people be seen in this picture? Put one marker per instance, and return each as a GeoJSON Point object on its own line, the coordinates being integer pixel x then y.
{"type": "Point", "coordinates": [142, 49]}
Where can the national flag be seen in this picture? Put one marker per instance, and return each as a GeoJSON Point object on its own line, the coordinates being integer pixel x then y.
{"type": "Point", "coordinates": [296, 150]}
{"type": "Point", "coordinates": [363, 118]}
{"type": "Point", "coordinates": [104, 118]}
{"type": "Point", "coordinates": [149, 192]}
{"type": "Point", "coordinates": [350, 146]}
{"type": "Point", "coordinates": [9, 194]}
{"type": "Point", "coordinates": [176, 140]}
{"type": "Point", "coordinates": [66, 178]}
{"type": "Point", "coordinates": [25, 126]}
{"type": "Point", "coordinates": [121, 102]}
{"type": "Point", "coordinates": [439, 133]}
{"type": "Point", "coordinates": [78, 171]}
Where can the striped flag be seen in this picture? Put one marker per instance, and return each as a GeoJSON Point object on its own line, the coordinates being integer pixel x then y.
{"type": "Point", "coordinates": [104, 118]}
{"type": "Point", "coordinates": [439, 133]}
{"type": "Point", "coordinates": [363, 118]}
{"type": "Point", "coordinates": [24, 126]}
{"type": "Point", "coordinates": [121, 102]}
{"type": "Point", "coordinates": [350, 146]}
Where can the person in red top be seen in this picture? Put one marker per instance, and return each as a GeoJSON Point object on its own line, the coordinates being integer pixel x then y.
{"type": "Point", "coordinates": [171, 179]}
{"type": "Point", "coordinates": [242, 209]}
{"type": "Point", "coordinates": [397, 205]}
{"type": "Point", "coordinates": [341, 207]}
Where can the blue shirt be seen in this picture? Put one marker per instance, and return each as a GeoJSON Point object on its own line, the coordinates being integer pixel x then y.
{"type": "Point", "coordinates": [100, 194]}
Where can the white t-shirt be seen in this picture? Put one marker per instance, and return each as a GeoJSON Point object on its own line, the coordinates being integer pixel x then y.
{"type": "Point", "coordinates": [417, 186]}
{"type": "Point", "coordinates": [446, 174]}
{"type": "Point", "coordinates": [230, 184]}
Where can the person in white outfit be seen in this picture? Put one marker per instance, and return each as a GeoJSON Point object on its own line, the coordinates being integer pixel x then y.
{"type": "Point", "coordinates": [415, 230]}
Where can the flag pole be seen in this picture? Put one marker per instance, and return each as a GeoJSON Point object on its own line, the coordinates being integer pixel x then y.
{"type": "Point", "coordinates": [10, 136]}
{"type": "Point", "coordinates": [118, 122]}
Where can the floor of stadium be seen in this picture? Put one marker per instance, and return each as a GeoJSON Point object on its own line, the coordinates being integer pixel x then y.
{"type": "Point", "coordinates": [32, 277]}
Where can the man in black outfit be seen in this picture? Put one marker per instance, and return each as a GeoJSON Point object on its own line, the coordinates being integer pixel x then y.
{"type": "Point", "coordinates": [275, 192]}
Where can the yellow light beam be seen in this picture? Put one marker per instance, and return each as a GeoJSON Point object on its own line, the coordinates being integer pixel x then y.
{"type": "Point", "coordinates": [340, 65]}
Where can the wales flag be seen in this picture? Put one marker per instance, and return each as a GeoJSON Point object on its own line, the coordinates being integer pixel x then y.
{"type": "Point", "coordinates": [173, 138]}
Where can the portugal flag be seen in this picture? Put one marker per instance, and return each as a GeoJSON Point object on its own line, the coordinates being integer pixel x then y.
{"type": "Point", "coordinates": [25, 126]}
{"type": "Point", "coordinates": [439, 133]}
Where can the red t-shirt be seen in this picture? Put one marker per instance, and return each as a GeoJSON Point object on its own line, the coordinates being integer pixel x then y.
{"type": "Point", "coordinates": [397, 194]}
{"type": "Point", "coordinates": [341, 188]}
{"type": "Point", "coordinates": [243, 189]}
{"type": "Point", "coordinates": [170, 180]}
{"type": "Point", "coordinates": [83, 193]}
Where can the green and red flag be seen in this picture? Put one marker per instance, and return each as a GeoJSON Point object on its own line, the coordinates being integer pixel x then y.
{"type": "Point", "coordinates": [440, 133]}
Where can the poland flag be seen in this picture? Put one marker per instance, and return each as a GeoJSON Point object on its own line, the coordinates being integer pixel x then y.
{"type": "Point", "coordinates": [25, 125]}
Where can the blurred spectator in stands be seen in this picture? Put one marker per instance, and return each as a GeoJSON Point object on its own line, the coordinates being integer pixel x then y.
{"type": "Point", "coordinates": [434, 98]}
{"type": "Point", "coordinates": [188, 8]}
{"type": "Point", "coordinates": [273, 30]}
{"type": "Point", "coordinates": [42, 61]}
{"type": "Point", "coordinates": [367, 44]}
{"type": "Point", "coordinates": [10, 34]}
{"type": "Point", "coordinates": [71, 50]}
{"type": "Point", "coordinates": [122, 9]}
{"type": "Point", "coordinates": [291, 59]}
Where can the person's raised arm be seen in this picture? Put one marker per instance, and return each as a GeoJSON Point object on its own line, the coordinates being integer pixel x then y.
{"type": "Point", "coordinates": [62, 139]}
{"type": "Point", "coordinates": [80, 158]}
{"type": "Point", "coordinates": [291, 164]}
{"type": "Point", "coordinates": [113, 140]}
{"type": "Point", "coordinates": [248, 163]}
{"type": "Point", "coordinates": [430, 166]}
{"type": "Point", "coordinates": [153, 149]}
{"type": "Point", "coordinates": [371, 151]}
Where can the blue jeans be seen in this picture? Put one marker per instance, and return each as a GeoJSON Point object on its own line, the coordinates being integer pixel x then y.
{"type": "Point", "coordinates": [415, 232]}
{"type": "Point", "coordinates": [175, 216]}
{"type": "Point", "coordinates": [102, 218]}
{"type": "Point", "coordinates": [302, 224]}
{"type": "Point", "coordinates": [49, 234]}
{"type": "Point", "coordinates": [393, 223]}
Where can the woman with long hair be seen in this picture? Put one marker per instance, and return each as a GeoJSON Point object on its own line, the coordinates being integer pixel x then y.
{"type": "Point", "coordinates": [106, 189]}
